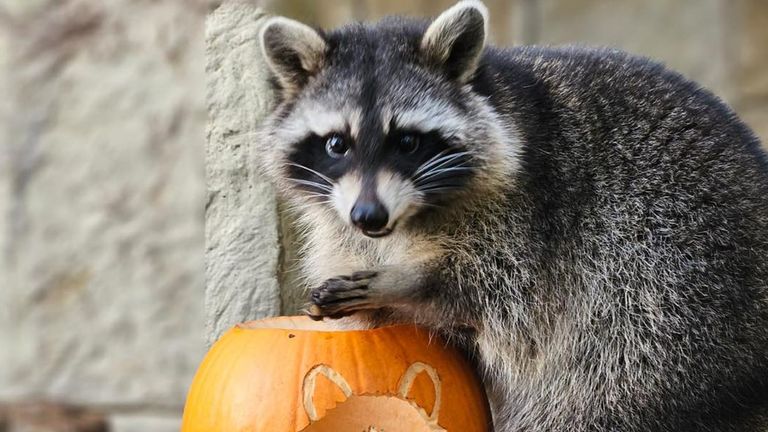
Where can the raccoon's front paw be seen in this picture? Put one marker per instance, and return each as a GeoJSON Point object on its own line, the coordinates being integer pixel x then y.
{"type": "Point", "coordinates": [341, 296]}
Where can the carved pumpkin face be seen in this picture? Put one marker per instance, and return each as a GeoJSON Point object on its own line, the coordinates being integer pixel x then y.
{"type": "Point", "coordinates": [373, 413]}
{"type": "Point", "coordinates": [296, 375]}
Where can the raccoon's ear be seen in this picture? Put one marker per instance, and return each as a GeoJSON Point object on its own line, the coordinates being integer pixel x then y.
{"type": "Point", "coordinates": [293, 51]}
{"type": "Point", "coordinates": [455, 40]}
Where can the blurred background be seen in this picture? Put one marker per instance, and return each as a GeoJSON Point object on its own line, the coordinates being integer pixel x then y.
{"type": "Point", "coordinates": [102, 181]}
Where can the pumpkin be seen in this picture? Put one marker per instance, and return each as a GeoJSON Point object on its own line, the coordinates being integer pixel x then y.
{"type": "Point", "coordinates": [292, 374]}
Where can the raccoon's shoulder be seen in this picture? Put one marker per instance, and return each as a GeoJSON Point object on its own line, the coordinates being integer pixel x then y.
{"type": "Point", "coordinates": [574, 72]}
{"type": "Point", "coordinates": [563, 60]}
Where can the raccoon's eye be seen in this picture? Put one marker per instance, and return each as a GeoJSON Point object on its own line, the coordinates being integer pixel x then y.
{"type": "Point", "coordinates": [409, 142]}
{"type": "Point", "coordinates": [336, 146]}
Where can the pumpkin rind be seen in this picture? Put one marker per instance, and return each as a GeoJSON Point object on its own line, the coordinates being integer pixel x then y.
{"type": "Point", "coordinates": [252, 378]}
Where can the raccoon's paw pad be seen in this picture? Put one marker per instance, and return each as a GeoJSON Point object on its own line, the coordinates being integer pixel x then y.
{"type": "Point", "coordinates": [340, 296]}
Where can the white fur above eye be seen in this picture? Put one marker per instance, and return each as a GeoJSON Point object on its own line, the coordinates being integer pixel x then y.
{"type": "Point", "coordinates": [431, 116]}
{"type": "Point", "coordinates": [318, 118]}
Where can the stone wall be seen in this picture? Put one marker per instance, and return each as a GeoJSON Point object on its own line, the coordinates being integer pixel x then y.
{"type": "Point", "coordinates": [103, 181]}
{"type": "Point", "coordinates": [102, 143]}
{"type": "Point", "coordinates": [242, 224]}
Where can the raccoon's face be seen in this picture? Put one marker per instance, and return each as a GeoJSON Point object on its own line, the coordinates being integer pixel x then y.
{"type": "Point", "coordinates": [376, 123]}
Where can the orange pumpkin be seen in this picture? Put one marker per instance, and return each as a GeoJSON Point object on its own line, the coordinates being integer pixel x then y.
{"type": "Point", "coordinates": [292, 374]}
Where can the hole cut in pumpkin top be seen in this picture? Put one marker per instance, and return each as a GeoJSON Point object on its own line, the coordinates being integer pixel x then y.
{"type": "Point", "coordinates": [299, 323]}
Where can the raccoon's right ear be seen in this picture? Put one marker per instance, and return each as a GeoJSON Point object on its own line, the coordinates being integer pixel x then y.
{"type": "Point", "coordinates": [455, 40]}
{"type": "Point", "coordinates": [293, 51]}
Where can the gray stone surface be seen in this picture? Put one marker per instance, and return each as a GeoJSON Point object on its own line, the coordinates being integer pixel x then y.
{"type": "Point", "coordinates": [5, 177]}
{"type": "Point", "coordinates": [748, 34]}
{"type": "Point", "coordinates": [103, 222]}
{"type": "Point", "coordinates": [242, 225]}
{"type": "Point", "coordinates": [144, 423]}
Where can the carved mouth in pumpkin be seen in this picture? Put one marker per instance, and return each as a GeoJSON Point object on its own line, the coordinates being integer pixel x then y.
{"type": "Point", "coordinates": [381, 414]}
{"type": "Point", "coordinates": [372, 413]}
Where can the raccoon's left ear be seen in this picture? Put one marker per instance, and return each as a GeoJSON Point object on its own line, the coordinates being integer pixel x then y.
{"type": "Point", "coordinates": [454, 42]}
{"type": "Point", "coordinates": [293, 51]}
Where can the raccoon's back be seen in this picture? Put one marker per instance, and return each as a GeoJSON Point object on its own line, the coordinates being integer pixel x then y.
{"type": "Point", "coordinates": [650, 200]}
{"type": "Point", "coordinates": [614, 142]}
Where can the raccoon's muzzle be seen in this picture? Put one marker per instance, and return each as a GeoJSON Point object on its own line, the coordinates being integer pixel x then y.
{"type": "Point", "coordinates": [371, 217]}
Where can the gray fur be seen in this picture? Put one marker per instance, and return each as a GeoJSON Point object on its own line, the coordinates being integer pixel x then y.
{"type": "Point", "coordinates": [607, 261]}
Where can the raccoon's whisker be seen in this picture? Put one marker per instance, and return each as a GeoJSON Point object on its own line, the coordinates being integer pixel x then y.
{"type": "Point", "coordinates": [437, 186]}
{"type": "Point", "coordinates": [440, 163]}
{"type": "Point", "coordinates": [318, 195]}
{"type": "Point", "coordinates": [439, 189]}
{"type": "Point", "coordinates": [427, 204]}
{"type": "Point", "coordinates": [321, 175]}
{"type": "Point", "coordinates": [323, 199]}
{"type": "Point", "coordinates": [430, 185]}
{"type": "Point", "coordinates": [326, 197]}
{"type": "Point", "coordinates": [433, 173]}
{"type": "Point", "coordinates": [296, 208]}
{"type": "Point", "coordinates": [426, 164]}
{"type": "Point", "coordinates": [418, 198]}
{"type": "Point", "coordinates": [312, 184]}
{"type": "Point", "coordinates": [455, 159]}
{"type": "Point", "coordinates": [307, 204]}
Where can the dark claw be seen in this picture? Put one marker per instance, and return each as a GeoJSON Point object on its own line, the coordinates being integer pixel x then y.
{"type": "Point", "coordinates": [313, 313]}
{"type": "Point", "coordinates": [316, 295]}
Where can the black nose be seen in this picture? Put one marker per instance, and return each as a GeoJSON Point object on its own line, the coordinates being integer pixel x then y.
{"type": "Point", "coordinates": [369, 215]}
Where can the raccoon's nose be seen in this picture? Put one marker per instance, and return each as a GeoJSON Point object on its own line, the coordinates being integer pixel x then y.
{"type": "Point", "coordinates": [369, 215]}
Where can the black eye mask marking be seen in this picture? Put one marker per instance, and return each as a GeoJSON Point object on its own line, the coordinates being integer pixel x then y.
{"type": "Point", "coordinates": [313, 167]}
{"type": "Point", "coordinates": [436, 166]}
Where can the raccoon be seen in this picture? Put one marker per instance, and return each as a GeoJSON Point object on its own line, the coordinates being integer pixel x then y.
{"type": "Point", "coordinates": [590, 225]}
